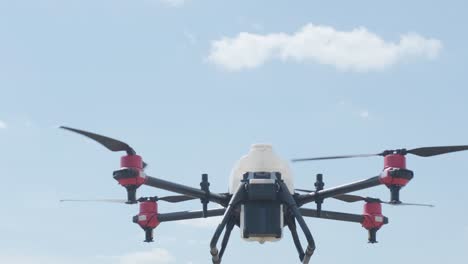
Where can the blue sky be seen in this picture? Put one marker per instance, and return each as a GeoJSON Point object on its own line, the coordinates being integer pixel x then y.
{"type": "Point", "coordinates": [192, 84]}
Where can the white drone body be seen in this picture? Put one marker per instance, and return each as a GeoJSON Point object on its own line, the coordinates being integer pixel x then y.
{"type": "Point", "coordinates": [260, 158]}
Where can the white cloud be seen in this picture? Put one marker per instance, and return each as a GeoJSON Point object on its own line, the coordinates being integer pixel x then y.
{"type": "Point", "coordinates": [364, 114]}
{"type": "Point", "coordinates": [174, 3]}
{"type": "Point", "coordinates": [355, 50]}
{"type": "Point", "coordinates": [3, 124]}
{"type": "Point", "coordinates": [209, 222]}
{"type": "Point", "coordinates": [154, 256]}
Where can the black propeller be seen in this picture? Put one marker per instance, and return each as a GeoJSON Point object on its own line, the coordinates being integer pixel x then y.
{"type": "Point", "coordinates": [109, 143]}
{"type": "Point", "coordinates": [422, 152]}
{"type": "Point", "coordinates": [304, 190]}
{"type": "Point", "coordinates": [175, 198]}
{"type": "Point", "coordinates": [170, 199]}
{"type": "Point", "coordinates": [355, 198]}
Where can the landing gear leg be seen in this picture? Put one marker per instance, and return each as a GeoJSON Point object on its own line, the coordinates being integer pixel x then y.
{"type": "Point", "coordinates": [228, 219]}
{"type": "Point", "coordinates": [288, 199]}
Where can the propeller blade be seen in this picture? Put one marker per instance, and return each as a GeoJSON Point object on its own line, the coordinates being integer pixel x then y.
{"type": "Point", "coordinates": [433, 151]}
{"type": "Point", "coordinates": [355, 198]}
{"type": "Point", "coordinates": [176, 198]}
{"type": "Point", "coordinates": [337, 157]}
{"type": "Point", "coordinates": [109, 143]}
{"type": "Point", "coordinates": [303, 190]}
{"type": "Point", "coordinates": [170, 199]}
{"type": "Point", "coordinates": [349, 198]}
{"type": "Point", "coordinates": [422, 152]}
{"type": "Point", "coordinates": [410, 204]}
{"type": "Point", "coordinates": [95, 200]}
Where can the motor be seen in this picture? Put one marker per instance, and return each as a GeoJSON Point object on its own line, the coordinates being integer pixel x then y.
{"type": "Point", "coordinates": [395, 175]}
{"type": "Point", "coordinates": [147, 219]}
{"type": "Point", "coordinates": [130, 176]}
{"type": "Point", "coordinates": [373, 219]}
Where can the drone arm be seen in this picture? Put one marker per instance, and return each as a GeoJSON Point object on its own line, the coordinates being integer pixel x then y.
{"type": "Point", "coordinates": [332, 215]}
{"type": "Point", "coordinates": [347, 188]}
{"type": "Point", "coordinates": [184, 215]}
{"type": "Point", "coordinates": [218, 198]}
{"type": "Point", "coordinates": [355, 218]}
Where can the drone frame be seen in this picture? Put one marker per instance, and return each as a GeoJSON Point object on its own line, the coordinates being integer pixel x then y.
{"type": "Point", "coordinates": [395, 176]}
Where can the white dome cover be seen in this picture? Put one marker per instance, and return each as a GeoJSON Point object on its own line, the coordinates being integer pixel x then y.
{"type": "Point", "coordinates": [261, 157]}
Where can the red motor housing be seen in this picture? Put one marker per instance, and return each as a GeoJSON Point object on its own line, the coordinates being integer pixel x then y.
{"type": "Point", "coordinates": [147, 219]}
{"type": "Point", "coordinates": [131, 175]}
{"type": "Point", "coordinates": [395, 175]}
{"type": "Point", "coordinates": [373, 219]}
{"type": "Point", "coordinates": [395, 161]}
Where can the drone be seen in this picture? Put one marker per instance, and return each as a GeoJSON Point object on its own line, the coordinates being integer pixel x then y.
{"type": "Point", "coordinates": [261, 198]}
